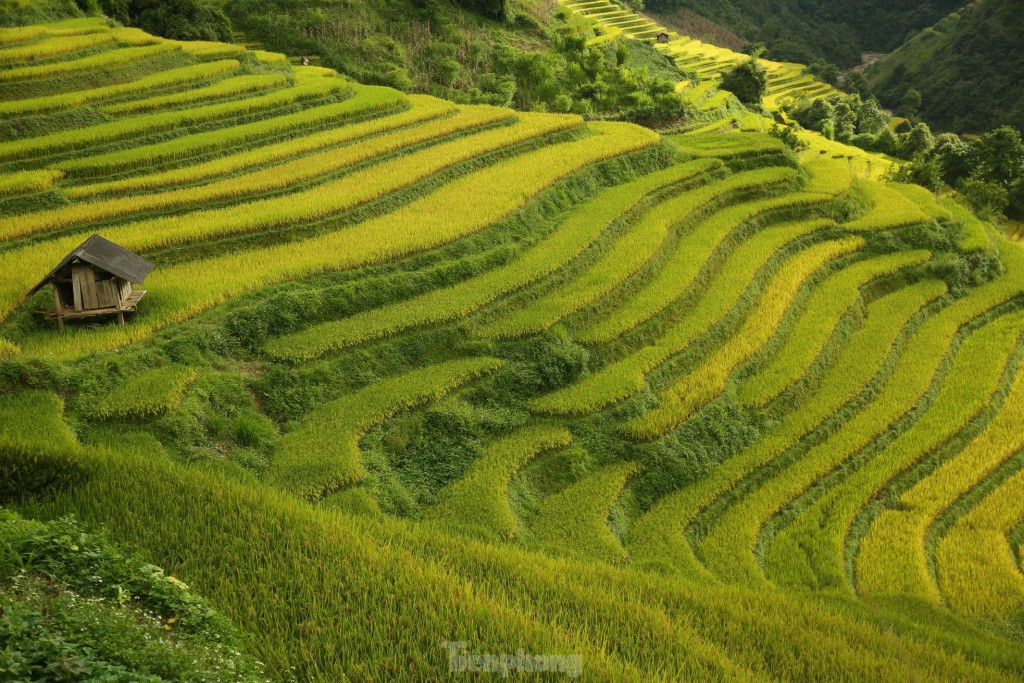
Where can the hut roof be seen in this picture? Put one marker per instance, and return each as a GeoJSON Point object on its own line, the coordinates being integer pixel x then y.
{"type": "Point", "coordinates": [104, 254]}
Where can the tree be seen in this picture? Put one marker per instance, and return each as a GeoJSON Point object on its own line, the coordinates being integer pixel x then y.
{"type": "Point", "coordinates": [857, 82]}
{"type": "Point", "coordinates": [999, 157]}
{"type": "Point", "coordinates": [886, 142]}
{"type": "Point", "coordinates": [988, 200]}
{"type": "Point", "coordinates": [825, 71]}
{"type": "Point", "coordinates": [923, 170]}
{"type": "Point", "coordinates": [955, 158]}
{"type": "Point", "coordinates": [844, 121]}
{"type": "Point", "coordinates": [819, 114]}
{"type": "Point", "coordinates": [788, 136]}
{"type": "Point", "coordinates": [870, 118]}
{"type": "Point", "coordinates": [918, 141]}
{"type": "Point", "coordinates": [747, 81]}
{"type": "Point", "coordinates": [175, 19]}
{"type": "Point", "coordinates": [754, 49]}
{"type": "Point", "coordinates": [911, 103]}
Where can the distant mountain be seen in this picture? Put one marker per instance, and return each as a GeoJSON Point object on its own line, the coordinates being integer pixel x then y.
{"type": "Point", "coordinates": [969, 69]}
{"type": "Point", "coordinates": [805, 30]}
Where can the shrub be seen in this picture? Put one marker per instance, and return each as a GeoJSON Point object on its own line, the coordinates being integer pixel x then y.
{"type": "Point", "coordinates": [748, 81]}
{"type": "Point", "coordinates": [74, 606]}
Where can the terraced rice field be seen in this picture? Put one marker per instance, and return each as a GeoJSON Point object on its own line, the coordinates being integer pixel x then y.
{"type": "Point", "coordinates": [409, 372]}
{"type": "Point", "coordinates": [704, 62]}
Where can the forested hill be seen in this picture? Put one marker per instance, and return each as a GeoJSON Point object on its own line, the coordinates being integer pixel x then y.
{"type": "Point", "coordinates": [806, 30]}
{"type": "Point", "coordinates": [968, 69]}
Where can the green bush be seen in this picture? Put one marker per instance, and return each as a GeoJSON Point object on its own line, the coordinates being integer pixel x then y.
{"type": "Point", "coordinates": [74, 607]}
{"type": "Point", "coordinates": [495, 9]}
{"type": "Point", "coordinates": [176, 19]}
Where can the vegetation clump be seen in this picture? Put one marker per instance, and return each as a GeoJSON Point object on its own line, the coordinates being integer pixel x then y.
{"type": "Point", "coordinates": [76, 607]}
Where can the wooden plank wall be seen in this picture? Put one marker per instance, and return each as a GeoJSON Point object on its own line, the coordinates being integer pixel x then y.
{"type": "Point", "coordinates": [84, 281]}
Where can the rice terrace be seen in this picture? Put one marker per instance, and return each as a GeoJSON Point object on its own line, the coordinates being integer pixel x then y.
{"type": "Point", "coordinates": [484, 339]}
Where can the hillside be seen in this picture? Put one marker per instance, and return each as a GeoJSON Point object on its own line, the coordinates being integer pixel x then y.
{"type": "Point", "coordinates": [532, 59]}
{"type": "Point", "coordinates": [417, 382]}
{"type": "Point", "coordinates": [835, 30]}
{"type": "Point", "coordinates": [967, 68]}
{"type": "Point", "coordinates": [702, 63]}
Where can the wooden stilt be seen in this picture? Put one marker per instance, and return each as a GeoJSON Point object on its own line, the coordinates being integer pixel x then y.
{"type": "Point", "coordinates": [60, 309]}
{"type": "Point", "coordinates": [120, 317]}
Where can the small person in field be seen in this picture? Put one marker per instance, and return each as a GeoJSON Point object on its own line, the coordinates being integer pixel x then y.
{"type": "Point", "coordinates": [305, 61]}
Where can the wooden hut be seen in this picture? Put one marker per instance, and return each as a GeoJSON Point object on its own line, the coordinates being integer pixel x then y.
{"type": "Point", "coordinates": [96, 278]}
{"type": "Point", "coordinates": [663, 37]}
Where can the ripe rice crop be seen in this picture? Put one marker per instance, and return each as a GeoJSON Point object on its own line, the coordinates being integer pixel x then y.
{"type": "Point", "coordinates": [729, 548]}
{"type": "Point", "coordinates": [69, 27]}
{"type": "Point", "coordinates": [149, 394]}
{"type": "Point", "coordinates": [727, 145]}
{"type": "Point", "coordinates": [423, 109]}
{"type": "Point", "coordinates": [810, 551]}
{"type": "Point", "coordinates": [975, 234]}
{"type": "Point", "coordinates": [701, 385]}
{"type": "Point", "coordinates": [322, 455]}
{"type": "Point", "coordinates": [629, 253]}
{"type": "Point", "coordinates": [320, 558]}
{"type": "Point", "coordinates": [440, 305]}
{"type": "Point", "coordinates": [228, 87]}
{"type": "Point", "coordinates": [889, 209]}
{"type": "Point", "coordinates": [363, 184]}
{"type": "Point", "coordinates": [658, 536]}
{"type": "Point", "coordinates": [365, 100]}
{"type": "Point", "coordinates": [33, 420]}
{"type": "Point", "coordinates": [891, 557]}
{"type": "Point", "coordinates": [680, 270]}
{"type": "Point", "coordinates": [828, 304]}
{"type": "Point", "coordinates": [827, 177]}
{"type": "Point", "coordinates": [178, 293]}
{"type": "Point", "coordinates": [269, 57]}
{"type": "Point", "coordinates": [924, 200]}
{"type": "Point", "coordinates": [977, 571]}
{"type": "Point", "coordinates": [24, 182]}
{"type": "Point", "coordinates": [500, 598]}
{"type": "Point", "coordinates": [625, 377]}
{"type": "Point", "coordinates": [148, 124]}
{"type": "Point", "coordinates": [181, 76]}
{"type": "Point", "coordinates": [301, 206]}
{"type": "Point", "coordinates": [102, 60]}
{"type": "Point", "coordinates": [575, 521]}
{"type": "Point", "coordinates": [53, 47]}
{"type": "Point", "coordinates": [478, 502]}
{"type": "Point", "coordinates": [208, 50]}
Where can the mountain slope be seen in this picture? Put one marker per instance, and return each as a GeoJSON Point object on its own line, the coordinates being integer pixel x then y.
{"type": "Point", "coordinates": [417, 380]}
{"type": "Point", "coordinates": [838, 31]}
{"type": "Point", "coordinates": [967, 68]}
